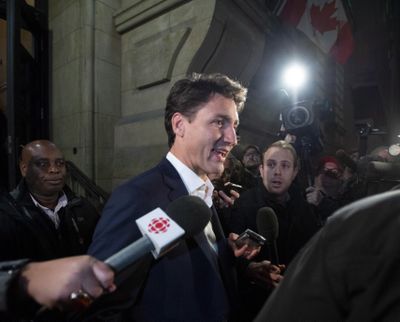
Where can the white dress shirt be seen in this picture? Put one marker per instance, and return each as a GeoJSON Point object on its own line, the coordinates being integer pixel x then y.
{"type": "Point", "coordinates": [196, 187]}
{"type": "Point", "coordinates": [53, 214]}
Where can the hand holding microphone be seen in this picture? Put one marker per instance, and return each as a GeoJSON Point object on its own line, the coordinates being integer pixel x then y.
{"type": "Point", "coordinates": [162, 231]}
{"type": "Point", "coordinates": [268, 226]}
{"type": "Point", "coordinates": [184, 217]}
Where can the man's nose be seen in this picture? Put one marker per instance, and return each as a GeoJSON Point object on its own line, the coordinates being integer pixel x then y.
{"type": "Point", "coordinates": [230, 135]}
{"type": "Point", "coordinates": [54, 168]}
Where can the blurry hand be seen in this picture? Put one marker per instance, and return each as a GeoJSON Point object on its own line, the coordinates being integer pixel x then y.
{"type": "Point", "coordinates": [227, 201]}
{"type": "Point", "coordinates": [314, 195]}
{"type": "Point", "coordinates": [265, 273]}
{"type": "Point", "coordinates": [51, 283]}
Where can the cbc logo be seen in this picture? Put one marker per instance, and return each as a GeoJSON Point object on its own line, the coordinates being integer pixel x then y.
{"type": "Point", "coordinates": [158, 225]}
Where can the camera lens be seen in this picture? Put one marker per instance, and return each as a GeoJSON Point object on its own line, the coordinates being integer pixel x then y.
{"type": "Point", "coordinates": [298, 116]}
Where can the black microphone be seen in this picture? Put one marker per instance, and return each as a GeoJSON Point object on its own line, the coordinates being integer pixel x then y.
{"type": "Point", "coordinates": [189, 216]}
{"type": "Point", "coordinates": [345, 159]}
{"type": "Point", "coordinates": [268, 226]}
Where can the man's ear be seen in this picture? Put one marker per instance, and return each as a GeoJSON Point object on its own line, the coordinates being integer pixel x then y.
{"type": "Point", "coordinates": [260, 169]}
{"type": "Point", "coordinates": [296, 171]}
{"type": "Point", "coordinates": [178, 124]}
{"type": "Point", "coordinates": [23, 168]}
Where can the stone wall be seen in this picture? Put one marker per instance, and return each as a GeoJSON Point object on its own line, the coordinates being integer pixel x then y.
{"type": "Point", "coordinates": [85, 77]}
{"type": "Point", "coordinates": [161, 41]}
{"type": "Point", "coordinates": [114, 63]}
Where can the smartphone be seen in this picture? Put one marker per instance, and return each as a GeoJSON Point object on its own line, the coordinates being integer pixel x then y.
{"type": "Point", "coordinates": [228, 186]}
{"type": "Point", "coordinates": [250, 238]}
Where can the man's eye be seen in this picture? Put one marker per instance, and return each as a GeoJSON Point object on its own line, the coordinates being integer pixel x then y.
{"type": "Point", "coordinates": [60, 163]}
{"type": "Point", "coordinates": [270, 164]}
{"type": "Point", "coordinates": [42, 164]}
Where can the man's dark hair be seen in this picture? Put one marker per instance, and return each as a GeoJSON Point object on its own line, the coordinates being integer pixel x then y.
{"type": "Point", "coordinates": [188, 95]}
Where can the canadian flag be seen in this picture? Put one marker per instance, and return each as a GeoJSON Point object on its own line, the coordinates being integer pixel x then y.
{"type": "Point", "coordinates": [324, 22]}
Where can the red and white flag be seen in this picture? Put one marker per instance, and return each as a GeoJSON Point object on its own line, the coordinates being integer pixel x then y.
{"type": "Point", "coordinates": [324, 22]}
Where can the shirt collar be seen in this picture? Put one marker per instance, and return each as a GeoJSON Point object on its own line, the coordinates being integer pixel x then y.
{"type": "Point", "coordinates": [193, 183]}
{"type": "Point", "coordinates": [52, 214]}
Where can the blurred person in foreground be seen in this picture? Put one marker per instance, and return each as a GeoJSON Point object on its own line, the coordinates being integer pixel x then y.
{"type": "Point", "coordinates": [349, 271]}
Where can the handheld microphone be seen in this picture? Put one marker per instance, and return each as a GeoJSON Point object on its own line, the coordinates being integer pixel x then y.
{"type": "Point", "coordinates": [268, 226]}
{"type": "Point", "coordinates": [184, 217]}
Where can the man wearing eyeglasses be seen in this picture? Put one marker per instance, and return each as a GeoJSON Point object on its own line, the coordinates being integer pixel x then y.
{"type": "Point", "coordinates": [42, 219]}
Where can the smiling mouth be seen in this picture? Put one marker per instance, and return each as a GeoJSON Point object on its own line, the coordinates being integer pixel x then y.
{"type": "Point", "coordinates": [221, 152]}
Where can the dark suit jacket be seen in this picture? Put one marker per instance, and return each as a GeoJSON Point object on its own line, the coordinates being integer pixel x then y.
{"type": "Point", "coordinates": [190, 283]}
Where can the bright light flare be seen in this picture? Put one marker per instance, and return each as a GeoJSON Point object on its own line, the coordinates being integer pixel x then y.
{"type": "Point", "coordinates": [294, 76]}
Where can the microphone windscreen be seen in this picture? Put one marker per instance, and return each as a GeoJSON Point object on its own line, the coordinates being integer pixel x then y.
{"type": "Point", "coordinates": [191, 213]}
{"type": "Point", "coordinates": [267, 223]}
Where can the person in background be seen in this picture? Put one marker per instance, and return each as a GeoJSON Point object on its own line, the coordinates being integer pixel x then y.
{"type": "Point", "coordinates": [224, 193]}
{"type": "Point", "coordinates": [42, 219]}
{"type": "Point", "coordinates": [251, 161]}
{"type": "Point", "coordinates": [278, 169]}
{"type": "Point", "coordinates": [326, 194]}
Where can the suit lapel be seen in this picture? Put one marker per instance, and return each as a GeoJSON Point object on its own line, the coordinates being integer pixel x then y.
{"type": "Point", "coordinates": [177, 189]}
{"type": "Point", "coordinates": [216, 225]}
{"type": "Point", "coordinates": [172, 180]}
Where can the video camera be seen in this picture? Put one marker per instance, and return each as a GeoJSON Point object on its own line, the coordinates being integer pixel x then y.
{"type": "Point", "coordinates": [302, 119]}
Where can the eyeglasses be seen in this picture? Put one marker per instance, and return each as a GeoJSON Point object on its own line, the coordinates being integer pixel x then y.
{"type": "Point", "coordinates": [333, 173]}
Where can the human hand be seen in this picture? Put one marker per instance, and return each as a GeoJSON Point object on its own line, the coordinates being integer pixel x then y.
{"type": "Point", "coordinates": [247, 251]}
{"type": "Point", "coordinates": [265, 273]}
{"type": "Point", "coordinates": [314, 195]}
{"type": "Point", "coordinates": [51, 283]}
{"type": "Point", "coordinates": [225, 200]}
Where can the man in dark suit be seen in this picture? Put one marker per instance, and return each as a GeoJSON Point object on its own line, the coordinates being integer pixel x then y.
{"type": "Point", "coordinates": [194, 281]}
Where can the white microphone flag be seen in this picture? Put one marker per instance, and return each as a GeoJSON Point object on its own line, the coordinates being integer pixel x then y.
{"type": "Point", "coordinates": [161, 230]}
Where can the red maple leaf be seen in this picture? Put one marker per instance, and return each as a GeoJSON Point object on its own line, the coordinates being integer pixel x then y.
{"type": "Point", "coordinates": [321, 19]}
